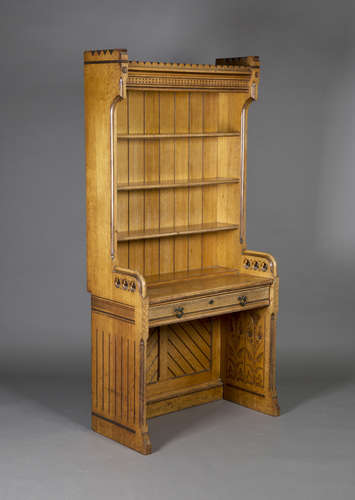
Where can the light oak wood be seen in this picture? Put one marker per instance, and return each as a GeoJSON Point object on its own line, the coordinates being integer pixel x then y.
{"type": "Point", "coordinates": [189, 358]}
{"type": "Point", "coordinates": [211, 304]}
{"type": "Point", "coordinates": [165, 232]}
{"type": "Point", "coordinates": [169, 278]}
{"type": "Point", "coordinates": [174, 184]}
{"type": "Point", "coordinates": [205, 393]}
{"type": "Point", "coordinates": [182, 312]}
{"type": "Point", "coordinates": [177, 136]}
{"type": "Point", "coordinates": [248, 359]}
{"type": "Point", "coordinates": [203, 284]}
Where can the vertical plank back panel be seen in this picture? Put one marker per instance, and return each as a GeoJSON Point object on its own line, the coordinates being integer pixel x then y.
{"type": "Point", "coordinates": [167, 173]}
{"type": "Point", "coordinates": [195, 172]}
{"type": "Point", "coordinates": [136, 174]}
{"type": "Point", "coordinates": [210, 170]}
{"type": "Point", "coordinates": [182, 104]}
{"type": "Point", "coordinates": [152, 174]}
{"type": "Point", "coordinates": [142, 161]}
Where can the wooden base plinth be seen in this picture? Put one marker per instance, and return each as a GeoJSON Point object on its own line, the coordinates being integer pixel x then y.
{"type": "Point", "coordinates": [264, 404]}
{"type": "Point", "coordinates": [195, 396]}
{"type": "Point", "coordinates": [135, 439]}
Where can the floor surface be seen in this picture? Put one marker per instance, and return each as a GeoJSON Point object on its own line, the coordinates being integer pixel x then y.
{"type": "Point", "coordinates": [215, 451]}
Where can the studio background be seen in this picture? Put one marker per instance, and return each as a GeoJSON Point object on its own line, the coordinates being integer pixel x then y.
{"type": "Point", "coordinates": [300, 208]}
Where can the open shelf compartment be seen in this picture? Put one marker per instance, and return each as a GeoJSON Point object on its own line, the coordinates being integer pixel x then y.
{"type": "Point", "coordinates": [178, 180]}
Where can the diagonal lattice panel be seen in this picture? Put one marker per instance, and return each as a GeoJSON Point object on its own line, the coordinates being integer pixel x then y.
{"type": "Point", "coordinates": [189, 348]}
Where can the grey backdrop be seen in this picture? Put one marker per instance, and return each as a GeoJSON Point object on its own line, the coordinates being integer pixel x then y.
{"type": "Point", "coordinates": [301, 206]}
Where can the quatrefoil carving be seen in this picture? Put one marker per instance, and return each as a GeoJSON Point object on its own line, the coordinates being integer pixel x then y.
{"type": "Point", "coordinates": [256, 265]}
{"type": "Point", "coordinates": [125, 284]}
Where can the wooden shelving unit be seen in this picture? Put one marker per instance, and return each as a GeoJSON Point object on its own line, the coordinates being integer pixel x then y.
{"type": "Point", "coordinates": [182, 312]}
{"type": "Point", "coordinates": [177, 174]}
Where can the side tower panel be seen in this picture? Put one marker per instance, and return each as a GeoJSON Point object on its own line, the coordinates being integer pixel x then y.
{"type": "Point", "coordinates": [119, 307]}
{"type": "Point", "coordinates": [104, 74]}
{"type": "Point", "coordinates": [241, 110]}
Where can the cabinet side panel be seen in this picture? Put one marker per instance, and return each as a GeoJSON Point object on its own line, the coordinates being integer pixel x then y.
{"type": "Point", "coordinates": [119, 360]}
{"type": "Point", "coordinates": [248, 358]}
{"type": "Point", "coordinates": [100, 91]}
{"type": "Point", "coordinates": [114, 369]}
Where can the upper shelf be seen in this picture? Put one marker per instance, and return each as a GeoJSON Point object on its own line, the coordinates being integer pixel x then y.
{"type": "Point", "coordinates": [175, 231]}
{"type": "Point", "coordinates": [177, 184]}
{"type": "Point", "coordinates": [176, 136]}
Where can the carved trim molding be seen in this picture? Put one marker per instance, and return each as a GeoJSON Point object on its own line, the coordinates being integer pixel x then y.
{"type": "Point", "coordinates": [249, 61]}
{"type": "Point", "coordinates": [112, 308]}
{"type": "Point", "coordinates": [185, 67]}
{"type": "Point", "coordinates": [234, 84]}
{"type": "Point", "coordinates": [129, 281]}
{"type": "Point", "coordinates": [257, 264]}
{"type": "Point", "coordinates": [125, 284]}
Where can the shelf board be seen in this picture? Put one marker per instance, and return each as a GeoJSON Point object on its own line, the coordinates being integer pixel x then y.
{"type": "Point", "coordinates": [210, 282]}
{"type": "Point", "coordinates": [159, 279]}
{"type": "Point", "coordinates": [175, 231]}
{"type": "Point", "coordinates": [177, 136]}
{"type": "Point", "coordinates": [177, 184]}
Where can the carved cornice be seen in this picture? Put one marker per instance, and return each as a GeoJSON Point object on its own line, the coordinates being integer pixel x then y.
{"type": "Point", "coordinates": [248, 61]}
{"type": "Point", "coordinates": [189, 82]}
{"type": "Point", "coordinates": [188, 68]}
{"type": "Point", "coordinates": [106, 56]}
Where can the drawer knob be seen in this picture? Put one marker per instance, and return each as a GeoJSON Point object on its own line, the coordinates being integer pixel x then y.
{"type": "Point", "coordinates": [179, 312]}
{"type": "Point", "coordinates": [242, 300]}
{"type": "Point", "coordinates": [211, 301]}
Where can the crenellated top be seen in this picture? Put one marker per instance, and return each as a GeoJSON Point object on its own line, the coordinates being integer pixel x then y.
{"type": "Point", "coordinates": [189, 68]}
{"type": "Point", "coordinates": [238, 74]}
{"type": "Point", "coordinates": [240, 65]}
{"type": "Point", "coordinates": [228, 77]}
{"type": "Point", "coordinates": [251, 62]}
{"type": "Point", "coordinates": [105, 56]}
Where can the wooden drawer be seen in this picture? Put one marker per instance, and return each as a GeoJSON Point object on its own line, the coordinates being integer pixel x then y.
{"type": "Point", "coordinates": [208, 305]}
